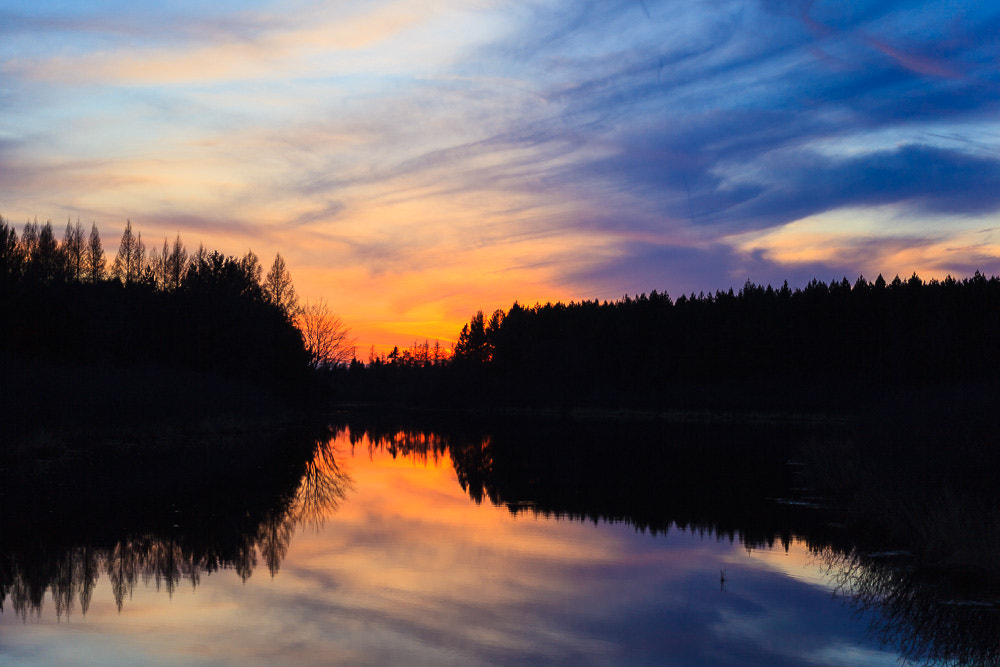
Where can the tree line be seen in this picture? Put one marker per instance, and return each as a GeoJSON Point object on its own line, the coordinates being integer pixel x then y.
{"type": "Point", "coordinates": [827, 344]}
{"type": "Point", "coordinates": [38, 258]}
{"type": "Point", "coordinates": [66, 304]}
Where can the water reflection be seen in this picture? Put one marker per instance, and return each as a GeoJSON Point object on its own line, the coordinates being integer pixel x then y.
{"type": "Point", "coordinates": [61, 530]}
{"type": "Point", "coordinates": [154, 520]}
{"type": "Point", "coordinates": [928, 620]}
{"type": "Point", "coordinates": [906, 532]}
{"type": "Point", "coordinates": [728, 481]}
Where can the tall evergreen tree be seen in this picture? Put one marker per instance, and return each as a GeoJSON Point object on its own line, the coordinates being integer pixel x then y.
{"type": "Point", "coordinates": [253, 271]}
{"type": "Point", "coordinates": [94, 261]}
{"type": "Point", "coordinates": [131, 257]}
{"type": "Point", "coordinates": [10, 252]}
{"type": "Point", "coordinates": [176, 264]}
{"type": "Point", "coordinates": [278, 288]}
{"type": "Point", "coordinates": [29, 240]}
{"type": "Point", "coordinates": [47, 262]}
{"type": "Point", "coordinates": [74, 250]}
{"type": "Point", "coordinates": [159, 261]}
{"type": "Point", "coordinates": [197, 264]}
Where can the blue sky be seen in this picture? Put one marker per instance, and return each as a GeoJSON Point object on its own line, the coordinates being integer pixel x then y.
{"type": "Point", "coordinates": [417, 161]}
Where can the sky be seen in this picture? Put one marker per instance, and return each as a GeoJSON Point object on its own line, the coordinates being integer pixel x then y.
{"type": "Point", "coordinates": [415, 162]}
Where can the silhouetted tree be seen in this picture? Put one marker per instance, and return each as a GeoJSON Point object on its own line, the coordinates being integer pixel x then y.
{"type": "Point", "coordinates": [250, 264]}
{"type": "Point", "coordinates": [197, 263]}
{"type": "Point", "coordinates": [278, 288]}
{"type": "Point", "coordinates": [327, 339]}
{"type": "Point", "coordinates": [94, 261]}
{"type": "Point", "coordinates": [472, 343]}
{"type": "Point", "coordinates": [176, 265]}
{"type": "Point", "coordinates": [74, 250]}
{"type": "Point", "coordinates": [158, 262]}
{"type": "Point", "coordinates": [130, 261]}
{"type": "Point", "coordinates": [29, 240]}
{"type": "Point", "coordinates": [47, 262]}
{"type": "Point", "coordinates": [11, 258]}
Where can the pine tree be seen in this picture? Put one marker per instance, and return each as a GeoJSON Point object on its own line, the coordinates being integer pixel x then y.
{"type": "Point", "coordinates": [10, 252]}
{"type": "Point", "coordinates": [47, 262]}
{"type": "Point", "coordinates": [250, 265]}
{"type": "Point", "coordinates": [128, 266]}
{"type": "Point", "coordinates": [74, 250]}
{"type": "Point", "coordinates": [94, 261]}
{"type": "Point", "coordinates": [159, 262]}
{"type": "Point", "coordinates": [176, 264]}
{"type": "Point", "coordinates": [278, 288]}
{"type": "Point", "coordinates": [29, 240]}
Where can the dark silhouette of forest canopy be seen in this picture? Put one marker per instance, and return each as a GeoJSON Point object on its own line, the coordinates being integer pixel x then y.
{"type": "Point", "coordinates": [165, 327]}
{"type": "Point", "coordinates": [837, 345]}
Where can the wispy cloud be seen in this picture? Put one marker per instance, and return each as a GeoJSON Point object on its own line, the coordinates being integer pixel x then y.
{"type": "Point", "coordinates": [464, 154]}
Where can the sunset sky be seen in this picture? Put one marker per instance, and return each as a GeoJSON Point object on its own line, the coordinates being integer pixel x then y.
{"type": "Point", "coordinates": [417, 161]}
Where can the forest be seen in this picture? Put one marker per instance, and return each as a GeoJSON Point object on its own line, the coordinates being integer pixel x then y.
{"type": "Point", "coordinates": [840, 345]}
{"type": "Point", "coordinates": [74, 318]}
{"type": "Point", "coordinates": [142, 334]}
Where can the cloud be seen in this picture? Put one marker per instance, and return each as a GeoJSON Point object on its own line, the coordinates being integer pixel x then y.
{"type": "Point", "coordinates": [924, 178]}
{"type": "Point", "coordinates": [200, 47]}
{"type": "Point", "coordinates": [539, 150]}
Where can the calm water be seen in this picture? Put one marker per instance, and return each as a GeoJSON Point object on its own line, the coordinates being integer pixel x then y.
{"type": "Point", "coordinates": [380, 553]}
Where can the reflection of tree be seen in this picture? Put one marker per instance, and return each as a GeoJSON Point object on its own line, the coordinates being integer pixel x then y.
{"type": "Point", "coordinates": [273, 537]}
{"type": "Point", "coordinates": [77, 577]}
{"type": "Point", "coordinates": [323, 487]}
{"type": "Point", "coordinates": [472, 463]}
{"type": "Point", "coordinates": [914, 610]}
{"type": "Point", "coordinates": [121, 565]}
{"type": "Point", "coordinates": [246, 560]}
{"type": "Point", "coordinates": [245, 530]}
{"type": "Point", "coordinates": [921, 558]}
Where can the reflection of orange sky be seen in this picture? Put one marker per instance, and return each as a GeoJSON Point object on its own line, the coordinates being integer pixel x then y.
{"type": "Point", "coordinates": [410, 570]}
{"type": "Point", "coordinates": [797, 562]}
{"type": "Point", "coordinates": [423, 492]}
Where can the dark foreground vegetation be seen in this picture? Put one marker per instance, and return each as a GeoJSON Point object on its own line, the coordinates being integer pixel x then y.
{"type": "Point", "coordinates": [208, 331]}
{"type": "Point", "coordinates": [836, 346]}
{"type": "Point", "coordinates": [85, 341]}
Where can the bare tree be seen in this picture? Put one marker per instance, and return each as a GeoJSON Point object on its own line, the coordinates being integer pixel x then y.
{"type": "Point", "coordinates": [326, 338]}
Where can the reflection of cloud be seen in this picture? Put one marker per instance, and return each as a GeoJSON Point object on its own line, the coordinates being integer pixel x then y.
{"type": "Point", "coordinates": [410, 570]}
